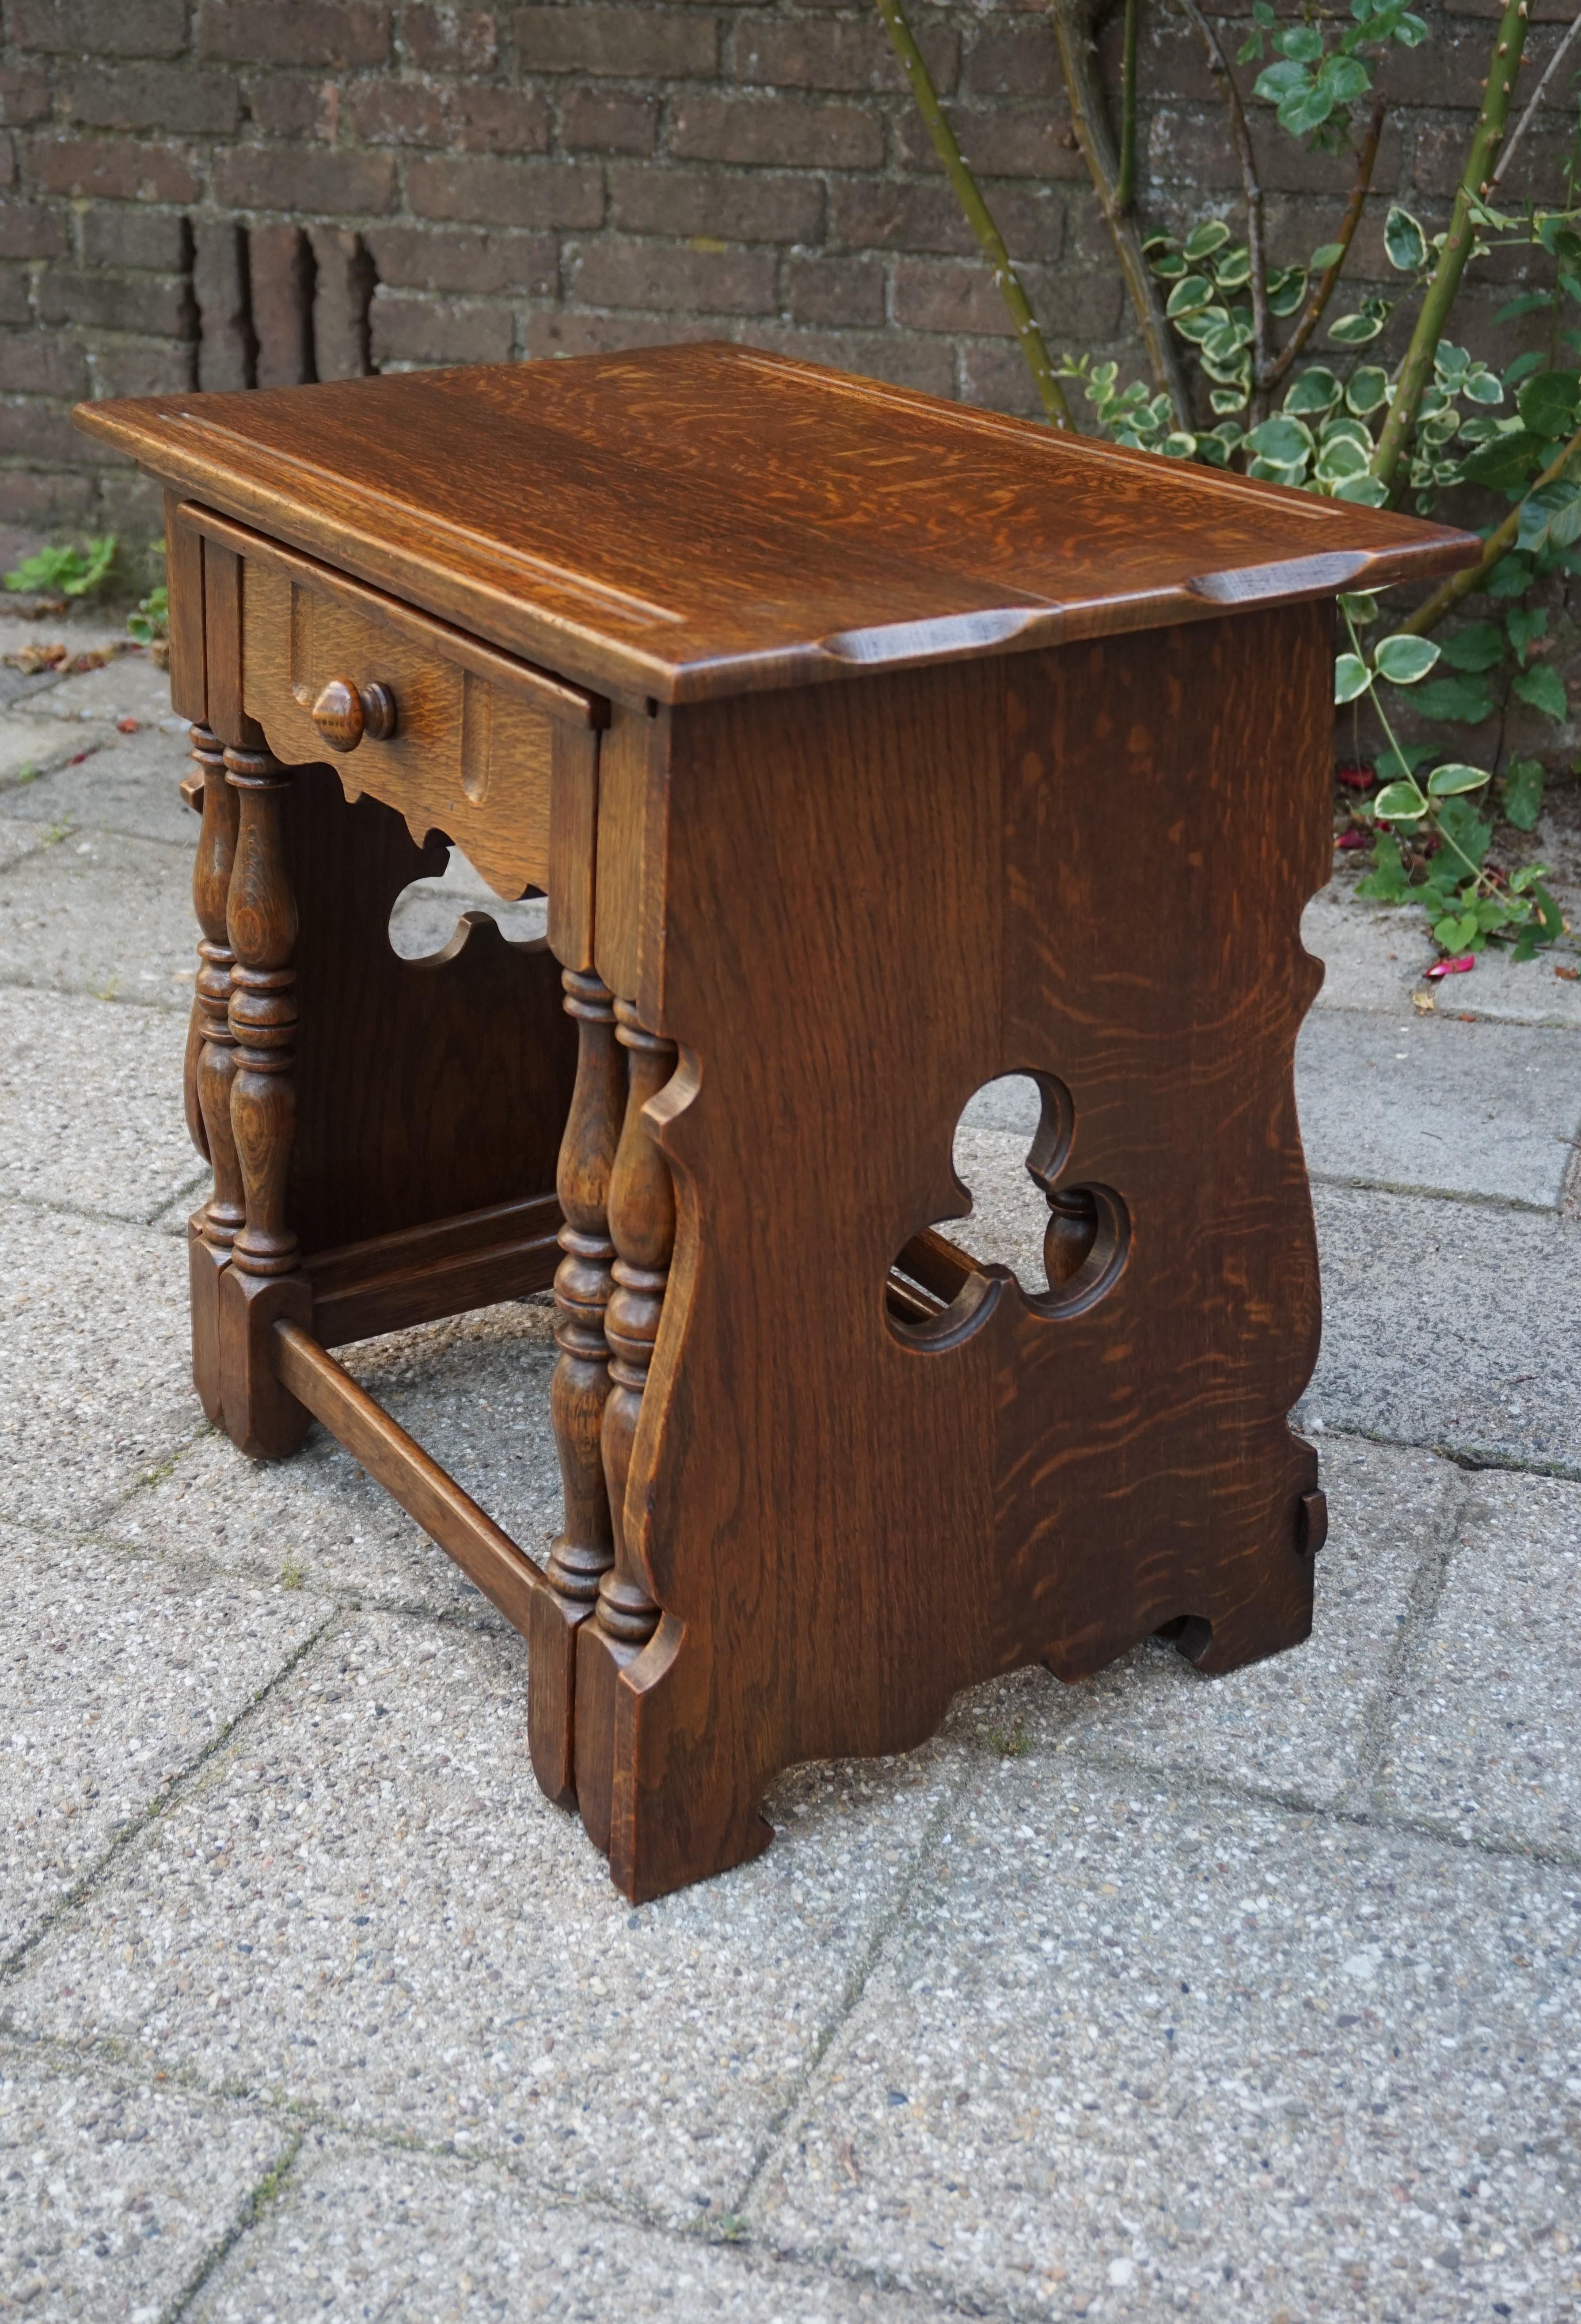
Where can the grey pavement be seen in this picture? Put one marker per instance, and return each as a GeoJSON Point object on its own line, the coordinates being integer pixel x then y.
{"type": "Point", "coordinates": [1255, 1998]}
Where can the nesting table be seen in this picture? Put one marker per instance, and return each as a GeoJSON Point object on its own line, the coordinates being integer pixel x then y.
{"type": "Point", "coordinates": [867, 749]}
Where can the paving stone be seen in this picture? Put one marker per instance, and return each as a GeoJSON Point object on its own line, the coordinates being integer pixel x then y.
{"type": "Point", "coordinates": [1302, 1725]}
{"type": "Point", "coordinates": [409, 2239]}
{"type": "Point", "coordinates": [1374, 955]}
{"type": "Point", "coordinates": [118, 1671]}
{"type": "Point", "coordinates": [1426, 1102]}
{"type": "Point", "coordinates": [30, 746]}
{"type": "Point", "coordinates": [1486, 1741]}
{"type": "Point", "coordinates": [1451, 1324]}
{"type": "Point", "coordinates": [114, 2198]}
{"type": "Point", "coordinates": [1130, 2052]}
{"type": "Point", "coordinates": [133, 785]}
{"type": "Point", "coordinates": [130, 687]}
{"type": "Point", "coordinates": [18, 838]}
{"type": "Point", "coordinates": [475, 1393]}
{"type": "Point", "coordinates": [425, 915]}
{"type": "Point", "coordinates": [438, 1954]}
{"type": "Point", "coordinates": [91, 1104]}
{"type": "Point", "coordinates": [104, 914]}
{"type": "Point", "coordinates": [95, 1385]}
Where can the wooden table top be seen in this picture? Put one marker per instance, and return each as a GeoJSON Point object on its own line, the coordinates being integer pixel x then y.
{"type": "Point", "coordinates": [697, 521]}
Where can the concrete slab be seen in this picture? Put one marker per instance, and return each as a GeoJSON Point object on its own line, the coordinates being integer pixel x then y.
{"type": "Point", "coordinates": [425, 914]}
{"type": "Point", "coordinates": [1486, 1742]}
{"type": "Point", "coordinates": [408, 2238]}
{"type": "Point", "coordinates": [130, 687]}
{"type": "Point", "coordinates": [1374, 955]}
{"type": "Point", "coordinates": [103, 914]}
{"type": "Point", "coordinates": [118, 1671]}
{"type": "Point", "coordinates": [367, 1907]}
{"type": "Point", "coordinates": [1304, 1726]}
{"type": "Point", "coordinates": [19, 838]}
{"type": "Point", "coordinates": [1133, 2051]}
{"type": "Point", "coordinates": [95, 1386]}
{"type": "Point", "coordinates": [1430, 1104]}
{"type": "Point", "coordinates": [1451, 1324]}
{"type": "Point", "coordinates": [91, 1105]}
{"type": "Point", "coordinates": [472, 1391]}
{"type": "Point", "coordinates": [132, 786]}
{"type": "Point", "coordinates": [31, 745]}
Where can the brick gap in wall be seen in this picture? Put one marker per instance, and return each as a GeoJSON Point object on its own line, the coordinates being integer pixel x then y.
{"type": "Point", "coordinates": [229, 193]}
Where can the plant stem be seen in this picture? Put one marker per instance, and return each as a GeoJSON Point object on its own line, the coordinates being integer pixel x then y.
{"type": "Point", "coordinates": [1073, 30]}
{"type": "Point", "coordinates": [1126, 188]}
{"type": "Point", "coordinates": [1313, 312]}
{"type": "Point", "coordinates": [1449, 593]}
{"type": "Point", "coordinates": [979, 215]}
{"type": "Point", "coordinates": [1445, 838]}
{"type": "Point", "coordinates": [1519, 132]}
{"type": "Point", "coordinates": [1251, 186]}
{"type": "Point", "coordinates": [1417, 370]}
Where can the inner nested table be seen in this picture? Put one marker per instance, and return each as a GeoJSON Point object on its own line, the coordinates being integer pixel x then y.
{"type": "Point", "coordinates": [867, 749]}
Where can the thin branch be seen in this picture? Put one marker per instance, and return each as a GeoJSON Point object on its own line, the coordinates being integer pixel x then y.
{"type": "Point", "coordinates": [1499, 543]}
{"type": "Point", "coordinates": [1519, 132]}
{"type": "Point", "coordinates": [1417, 370]}
{"type": "Point", "coordinates": [1251, 186]}
{"type": "Point", "coordinates": [1125, 190]}
{"type": "Point", "coordinates": [979, 215]}
{"type": "Point", "coordinates": [1314, 310]}
{"type": "Point", "coordinates": [1073, 29]}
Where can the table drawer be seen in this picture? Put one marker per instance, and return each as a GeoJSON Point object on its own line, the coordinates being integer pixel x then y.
{"type": "Point", "coordinates": [456, 736]}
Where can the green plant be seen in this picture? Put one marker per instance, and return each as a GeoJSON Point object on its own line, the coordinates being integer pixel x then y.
{"type": "Point", "coordinates": [151, 620]}
{"type": "Point", "coordinates": [66, 570]}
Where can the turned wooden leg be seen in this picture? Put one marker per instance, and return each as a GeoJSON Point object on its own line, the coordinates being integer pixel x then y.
{"type": "Point", "coordinates": [263, 1282]}
{"type": "Point", "coordinates": [583, 1552]}
{"type": "Point", "coordinates": [641, 1226]}
{"type": "Point", "coordinates": [211, 1067]}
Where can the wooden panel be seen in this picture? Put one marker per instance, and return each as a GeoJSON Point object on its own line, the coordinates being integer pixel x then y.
{"type": "Point", "coordinates": [842, 1524]}
{"type": "Point", "coordinates": [632, 766]}
{"type": "Point", "coordinates": [468, 758]}
{"type": "Point", "coordinates": [184, 580]}
{"type": "Point", "coordinates": [690, 521]}
{"type": "Point", "coordinates": [445, 1268]}
{"type": "Point", "coordinates": [450, 1517]}
{"type": "Point", "coordinates": [222, 650]}
{"type": "Point", "coordinates": [425, 1088]}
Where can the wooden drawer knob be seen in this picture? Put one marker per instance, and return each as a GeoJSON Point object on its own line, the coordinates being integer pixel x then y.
{"type": "Point", "coordinates": [344, 714]}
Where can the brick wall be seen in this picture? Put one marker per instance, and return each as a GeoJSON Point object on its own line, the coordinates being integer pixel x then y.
{"type": "Point", "coordinates": [219, 193]}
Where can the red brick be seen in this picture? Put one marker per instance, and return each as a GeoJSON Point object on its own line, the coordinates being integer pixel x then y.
{"type": "Point", "coordinates": [994, 375]}
{"type": "Point", "coordinates": [449, 40]}
{"type": "Point", "coordinates": [549, 334]}
{"type": "Point", "coordinates": [940, 295]}
{"type": "Point", "coordinates": [44, 500]}
{"type": "Point", "coordinates": [914, 214]}
{"type": "Point", "coordinates": [839, 291]}
{"type": "Point", "coordinates": [999, 141]}
{"type": "Point", "coordinates": [145, 367]}
{"type": "Point", "coordinates": [849, 53]}
{"type": "Point", "coordinates": [286, 105]}
{"type": "Point", "coordinates": [158, 98]}
{"type": "Point", "coordinates": [129, 235]}
{"type": "Point", "coordinates": [601, 120]}
{"type": "Point", "coordinates": [343, 286]}
{"type": "Point", "coordinates": [893, 355]}
{"type": "Point", "coordinates": [1543, 12]}
{"type": "Point", "coordinates": [419, 258]}
{"type": "Point", "coordinates": [29, 231]}
{"type": "Point", "coordinates": [398, 113]}
{"type": "Point", "coordinates": [805, 135]}
{"type": "Point", "coordinates": [279, 267]}
{"type": "Point", "coordinates": [39, 362]}
{"type": "Point", "coordinates": [632, 44]}
{"type": "Point", "coordinates": [98, 28]}
{"type": "Point", "coordinates": [751, 208]}
{"type": "Point", "coordinates": [1190, 148]}
{"type": "Point", "coordinates": [1536, 173]}
{"type": "Point", "coordinates": [1172, 63]}
{"type": "Point", "coordinates": [219, 284]}
{"type": "Point", "coordinates": [7, 159]}
{"type": "Point", "coordinates": [25, 95]}
{"type": "Point", "coordinates": [294, 31]}
{"type": "Point", "coordinates": [412, 330]}
{"type": "Point", "coordinates": [112, 169]}
{"type": "Point", "coordinates": [675, 278]}
{"type": "Point", "coordinates": [498, 120]}
{"type": "Point", "coordinates": [158, 305]}
{"type": "Point", "coordinates": [16, 305]}
{"type": "Point", "coordinates": [286, 177]}
{"type": "Point", "coordinates": [1015, 61]}
{"type": "Point", "coordinates": [31, 430]}
{"type": "Point", "coordinates": [507, 193]}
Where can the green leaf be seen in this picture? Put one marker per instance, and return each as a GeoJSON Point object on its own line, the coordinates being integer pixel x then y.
{"type": "Point", "coordinates": [1285, 441]}
{"type": "Point", "coordinates": [1317, 390]}
{"type": "Point", "coordinates": [1523, 625]}
{"type": "Point", "coordinates": [1387, 880]}
{"type": "Point", "coordinates": [1341, 460]}
{"type": "Point", "coordinates": [1404, 241]}
{"type": "Point", "coordinates": [1368, 390]}
{"type": "Point", "coordinates": [1454, 777]}
{"type": "Point", "coordinates": [1344, 78]}
{"type": "Point", "coordinates": [1355, 330]}
{"type": "Point", "coordinates": [1510, 578]}
{"type": "Point", "coordinates": [1479, 646]}
{"type": "Point", "coordinates": [1404, 659]}
{"type": "Point", "coordinates": [1547, 404]}
{"type": "Point", "coordinates": [1205, 239]}
{"type": "Point", "coordinates": [1328, 255]}
{"type": "Point", "coordinates": [1505, 461]}
{"type": "Point", "coordinates": [1481, 385]}
{"type": "Point", "coordinates": [1460, 823]}
{"type": "Point", "coordinates": [1550, 919]}
{"type": "Point", "coordinates": [1304, 43]}
{"type": "Point", "coordinates": [1523, 785]}
{"type": "Point", "coordinates": [1233, 270]}
{"type": "Point", "coordinates": [1365, 491]}
{"type": "Point", "coordinates": [1188, 296]}
{"type": "Point", "coordinates": [1529, 302]}
{"type": "Point", "coordinates": [1304, 110]}
{"type": "Point", "coordinates": [1228, 400]}
{"type": "Point", "coordinates": [1544, 688]}
{"type": "Point", "coordinates": [1463, 701]}
{"type": "Point", "coordinates": [1400, 803]}
{"type": "Point", "coordinates": [1281, 81]}
{"type": "Point", "coordinates": [1360, 605]}
{"type": "Point", "coordinates": [1351, 678]}
{"type": "Point", "coordinates": [1286, 290]}
{"type": "Point", "coordinates": [1391, 763]}
{"type": "Point", "coordinates": [1543, 509]}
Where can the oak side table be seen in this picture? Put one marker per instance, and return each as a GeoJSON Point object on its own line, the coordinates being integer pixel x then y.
{"type": "Point", "coordinates": [867, 749]}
